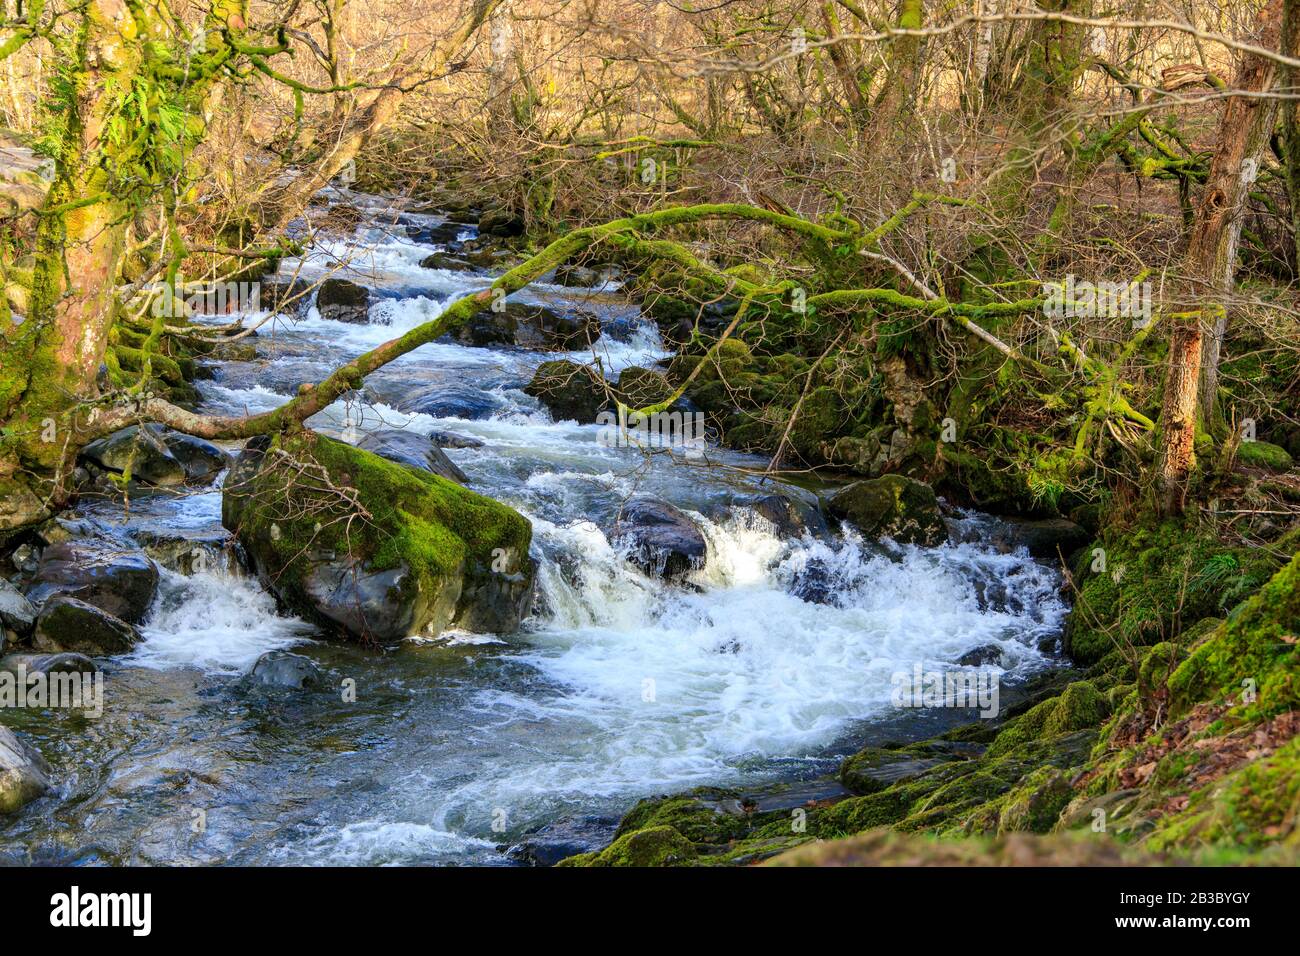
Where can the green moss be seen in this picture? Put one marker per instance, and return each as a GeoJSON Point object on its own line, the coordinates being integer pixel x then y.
{"type": "Point", "coordinates": [1158, 581]}
{"type": "Point", "coordinates": [1256, 805]}
{"type": "Point", "coordinates": [1036, 803]}
{"type": "Point", "coordinates": [313, 497]}
{"type": "Point", "coordinates": [1261, 454]}
{"type": "Point", "coordinates": [656, 846]}
{"type": "Point", "coordinates": [697, 816]}
{"type": "Point", "coordinates": [1252, 653]}
{"type": "Point", "coordinates": [1079, 707]}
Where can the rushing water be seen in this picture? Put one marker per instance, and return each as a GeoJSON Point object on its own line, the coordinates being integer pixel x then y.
{"type": "Point", "coordinates": [618, 687]}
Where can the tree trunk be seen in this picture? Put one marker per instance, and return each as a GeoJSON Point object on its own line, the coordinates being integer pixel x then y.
{"type": "Point", "coordinates": [1244, 133]}
{"type": "Point", "coordinates": [1178, 417]}
{"type": "Point", "coordinates": [51, 360]}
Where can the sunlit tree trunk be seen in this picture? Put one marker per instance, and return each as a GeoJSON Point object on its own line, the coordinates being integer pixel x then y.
{"type": "Point", "coordinates": [51, 359]}
{"type": "Point", "coordinates": [1244, 133]}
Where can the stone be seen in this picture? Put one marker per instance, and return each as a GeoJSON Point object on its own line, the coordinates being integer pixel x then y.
{"type": "Point", "coordinates": [447, 262]}
{"type": "Point", "coordinates": [69, 625]}
{"type": "Point", "coordinates": [340, 300]}
{"type": "Point", "coordinates": [59, 663]}
{"type": "Point", "coordinates": [664, 540]}
{"type": "Point", "coordinates": [874, 769]}
{"type": "Point", "coordinates": [429, 555]}
{"type": "Point", "coordinates": [413, 449]}
{"type": "Point", "coordinates": [531, 327]}
{"type": "Point", "coordinates": [1047, 538]}
{"type": "Point", "coordinates": [286, 670]}
{"type": "Point", "coordinates": [24, 774]}
{"type": "Point", "coordinates": [571, 392]}
{"type": "Point", "coordinates": [16, 612]}
{"type": "Point", "coordinates": [156, 455]}
{"type": "Point", "coordinates": [116, 579]}
{"type": "Point", "coordinates": [892, 506]}
{"type": "Point", "coordinates": [445, 439]}
{"type": "Point", "coordinates": [504, 223]}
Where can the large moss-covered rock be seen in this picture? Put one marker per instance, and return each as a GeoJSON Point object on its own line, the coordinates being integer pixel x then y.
{"type": "Point", "coordinates": [571, 392]}
{"type": "Point", "coordinates": [892, 506]}
{"type": "Point", "coordinates": [69, 625]}
{"type": "Point", "coordinates": [24, 774]}
{"type": "Point", "coordinates": [654, 846]}
{"type": "Point", "coordinates": [156, 455]}
{"type": "Point", "coordinates": [375, 549]}
{"type": "Point", "coordinates": [1262, 454]}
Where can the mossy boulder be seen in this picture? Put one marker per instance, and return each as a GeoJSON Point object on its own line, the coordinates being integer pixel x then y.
{"type": "Point", "coordinates": [571, 392]}
{"type": "Point", "coordinates": [1261, 454]}
{"type": "Point", "coordinates": [654, 846]}
{"type": "Point", "coordinates": [24, 774]}
{"type": "Point", "coordinates": [1036, 804]}
{"type": "Point", "coordinates": [704, 816]}
{"type": "Point", "coordinates": [892, 506]}
{"type": "Point", "coordinates": [69, 625]}
{"type": "Point", "coordinates": [1080, 706]}
{"type": "Point", "coordinates": [372, 548]}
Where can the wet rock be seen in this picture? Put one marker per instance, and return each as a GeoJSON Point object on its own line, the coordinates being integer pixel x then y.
{"type": "Point", "coordinates": [413, 449]}
{"type": "Point", "coordinates": [892, 506]}
{"type": "Point", "coordinates": [24, 774]}
{"type": "Point", "coordinates": [201, 459]}
{"type": "Point", "coordinates": [157, 455]}
{"type": "Point", "coordinates": [643, 387]}
{"type": "Point", "coordinates": [981, 656]}
{"type": "Point", "coordinates": [342, 301]}
{"type": "Point", "coordinates": [791, 519]}
{"type": "Point", "coordinates": [571, 392]}
{"type": "Point", "coordinates": [1047, 538]}
{"type": "Point", "coordinates": [814, 583]}
{"type": "Point", "coordinates": [140, 449]}
{"type": "Point", "coordinates": [531, 327]}
{"type": "Point", "coordinates": [19, 507]}
{"type": "Point", "coordinates": [121, 581]}
{"type": "Point", "coordinates": [564, 838]}
{"type": "Point", "coordinates": [67, 624]}
{"type": "Point", "coordinates": [665, 541]}
{"type": "Point", "coordinates": [874, 769]}
{"type": "Point", "coordinates": [447, 262]}
{"type": "Point", "coordinates": [284, 296]}
{"type": "Point", "coordinates": [445, 439]}
{"type": "Point", "coordinates": [63, 663]}
{"type": "Point", "coordinates": [452, 401]}
{"type": "Point", "coordinates": [575, 276]}
{"type": "Point", "coordinates": [504, 223]}
{"type": "Point", "coordinates": [283, 669]}
{"type": "Point", "coordinates": [16, 612]}
{"type": "Point", "coordinates": [431, 555]}
{"type": "Point", "coordinates": [25, 558]}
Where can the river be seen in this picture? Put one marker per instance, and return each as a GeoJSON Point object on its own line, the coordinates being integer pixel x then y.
{"type": "Point", "coordinates": [617, 687]}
